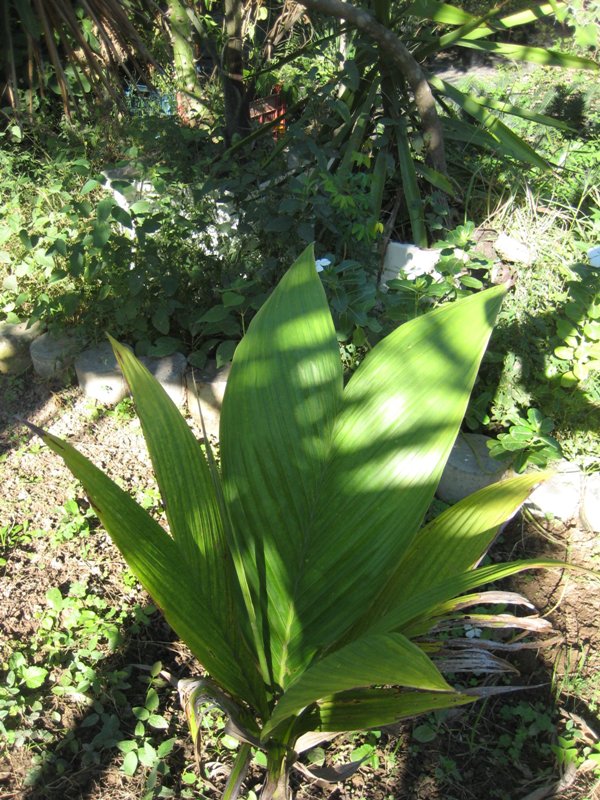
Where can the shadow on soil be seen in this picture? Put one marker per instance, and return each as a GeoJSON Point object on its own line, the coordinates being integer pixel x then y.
{"type": "Point", "coordinates": [24, 396]}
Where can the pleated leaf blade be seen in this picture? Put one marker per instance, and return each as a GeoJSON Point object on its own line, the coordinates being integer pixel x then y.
{"type": "Point", "coordinates": [373, 659]}
{"type": "Point", "coordinates": [455, 541]}
{"type": "Point", "coordinates": [189, 492]}
{"type": "Point", "coordinates": [534, 55]}
{"type": "Point", "coordinates": [401, 413]}
{"type": "Point", "coordinates": [326, 490]}
{"type": "Point", "coordinates": [369, 708]}
{"type": "Point", "coordinates": [510, 143]}
{"type": "Point", "coordinates": [282, 398]}
{"type": "Point", "coordinates": [163, 570]}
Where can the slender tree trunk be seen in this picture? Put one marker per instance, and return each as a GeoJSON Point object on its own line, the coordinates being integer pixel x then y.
{"type": "Point", "coordinates": [237, 114]}
{"type": "Point", "coordinates": [186, 80]}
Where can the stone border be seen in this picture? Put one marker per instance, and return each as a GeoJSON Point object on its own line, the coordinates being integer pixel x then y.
{"type": "Point", "coordinates": [569, 495]}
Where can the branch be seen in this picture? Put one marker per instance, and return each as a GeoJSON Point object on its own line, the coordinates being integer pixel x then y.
{"type": "Point", "coordinates": [393, 48]}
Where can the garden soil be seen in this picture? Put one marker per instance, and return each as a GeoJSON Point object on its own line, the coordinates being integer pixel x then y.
{"type": "Point", "coordinates": [506, 747]}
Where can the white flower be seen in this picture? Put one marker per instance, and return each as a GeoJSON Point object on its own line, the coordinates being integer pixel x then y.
{"type": "Point", "coordinates": [322, 263]}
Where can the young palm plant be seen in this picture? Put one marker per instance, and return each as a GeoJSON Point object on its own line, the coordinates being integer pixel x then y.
{"type": "Point", "coordinates": [301, 574]}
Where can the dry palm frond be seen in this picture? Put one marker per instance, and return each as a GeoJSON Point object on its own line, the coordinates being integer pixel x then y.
{"type": "Point", "coordinates": [50, 31]}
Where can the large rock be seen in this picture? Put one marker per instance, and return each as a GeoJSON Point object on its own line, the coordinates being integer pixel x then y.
{"type": "Point", "coordinates": [206, 388]}
{"type": "Point", "coordinates": [560, 496]}
{"type": "Point", "coordinates": [15, 340]}
{"type": "Point", "coordinates": [590, 503]}
{"type": "Point", "coordinates": [99, 376]}
{"type": "Point", "coordinates": [410, 260]}
{"type": "Point", "coordinates": [169, 372]}
{"type": "Point", "coordinates": [51, 355]}
{"type": "Point", "coordinates": [469, 468]}
{"type": "Point", "coordinates": [511, 249]}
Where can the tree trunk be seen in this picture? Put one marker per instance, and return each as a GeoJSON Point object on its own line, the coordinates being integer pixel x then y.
{"type": "Point", "coordinates": [237, 113]}
{"type": "Point", "coordinates": [186, 81]}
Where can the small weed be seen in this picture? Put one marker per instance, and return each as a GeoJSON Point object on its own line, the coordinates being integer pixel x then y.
{"type": "Point", "coordinates": [575, 748]}
{"type": "Point", "coordinates": [123, 411]}
{"type": "Point", "coordinates": [74, 521]}
{"type": "Point", "coordinates": [14, 535]}
{"type": "Point", "coordinates": [530, 725]}
{"type": "Point", "coordinates": [528, 441]}
{"type": "Point", "coordinates": [139, 749]}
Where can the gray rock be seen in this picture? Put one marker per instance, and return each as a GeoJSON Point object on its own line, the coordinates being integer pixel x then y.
{"type": "Point", "coordinates": [99, 376]}
{"type": "Point", "coordinates": [207, 387]}
{"type": "Point", "coordinates": [512, 249]}
{"type": "Point", "coordinates": [469, 468]}
{"type": "Point", "coordinates": [559, 497]}
{"type": "Point", "coordinates": [51, 355]}
{"type": "Point", "coordinates": [15, 340]}
{"type": "Point", "coordinates": [590, 503]}
{"type": "Point", "coordinates": [169, 372]}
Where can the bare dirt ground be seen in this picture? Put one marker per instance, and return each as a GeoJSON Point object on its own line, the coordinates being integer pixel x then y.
{"type": "Point", "coordinates": [505, 748]}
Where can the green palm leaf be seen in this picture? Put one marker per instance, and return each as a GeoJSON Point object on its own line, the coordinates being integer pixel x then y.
{"type": "Point", "coordinates": [312, 477]}
{"type": "Point", "coordinates": [430, 600]}
{"type": "Point", "coordinates": [455, 540]}
{"type": "Point", "coordinates": [478, 28]}
{"type": "Point", "coordinates": [438, 12]}
{"type": "Point", "coordinates": [373, 659]}
{"type": "Point", "coordinates": [370, 708]}
{"type": "Point", "coordinates": [191, 499]}
{"type": "Point", "coordinates": [164, 570]}
{"type": "Point", "coordinates": [534, 55]}
{"type": "Point", "coordinates": [281, 402]}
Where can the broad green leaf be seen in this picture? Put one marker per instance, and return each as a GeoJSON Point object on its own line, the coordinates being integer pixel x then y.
{"type": "Point", "coordinates": [311, 480]}
{"type": "Point", "coordinates": [140, 207]}
{"type": "Point", "coordinates": [510, 142]}
{"type": "Point", "coordinates": [130, 763]}
{"type": "Point", "coordinates": [305, 506]}
{"type": "Point", "coordinates": [104, 208]}
{"type": "Point", "coordinates": [539, 12]}
{"type": "Point", "coordinates": [523, 113]}
{"type": "Point", "coordinates": [370, 708]}
{"type": "Point", "coordinates": [189, 493]}
{"type": "Point", "coordinates": [162, 568]}
{"type": "Point", "coordinates": [535, 55]}
{"type": "Point", "coordinates": [90, 185]}
{"type": "Point", "coordinates": [456, 540]}
{"type": "Point", "coordinates": [282, 397]}
{"type": "Point", "coordinates": [435, 178]}
{"type": "Point", "coordinates": [101, 232]}
{"type": "Point", "coordinates": [458, 130]}
{"type": "Point", "coordinates": [33, 677]}
{"type": "Point", "coordinates": [401, 413]}
{"type": "Point", "coordinates": [373, 659]}
{"type": "Point", "coordinates": [480, 28]}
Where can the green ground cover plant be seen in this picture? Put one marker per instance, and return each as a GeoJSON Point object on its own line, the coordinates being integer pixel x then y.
{"type": "Point", "coordinates": [316, 622]}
